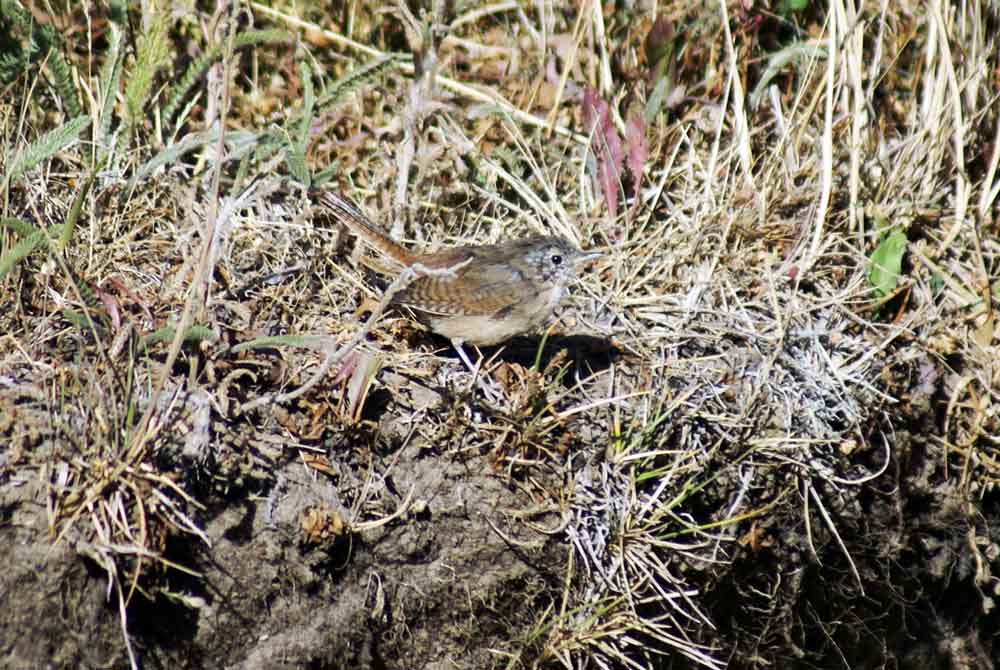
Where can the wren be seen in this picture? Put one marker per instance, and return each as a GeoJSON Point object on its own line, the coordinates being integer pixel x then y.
{"type": "Point", "coordinates": [496, 291]}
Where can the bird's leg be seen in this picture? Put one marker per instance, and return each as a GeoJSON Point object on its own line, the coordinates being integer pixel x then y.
{"type": "Point", "coordinates": [488, 386]}
{"type": "Point", "coordinates": [474, 369]}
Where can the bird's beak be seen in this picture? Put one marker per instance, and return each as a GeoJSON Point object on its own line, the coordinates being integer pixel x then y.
{"type": "Point", "coordinates": [589, 256]}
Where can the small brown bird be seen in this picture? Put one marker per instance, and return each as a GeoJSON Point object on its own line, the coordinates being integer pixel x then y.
{"type": "Point", "coordinates": [496, 291]}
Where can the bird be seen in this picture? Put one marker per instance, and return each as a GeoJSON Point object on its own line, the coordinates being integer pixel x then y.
{"type": "Point", "coordinates": [494, 291]}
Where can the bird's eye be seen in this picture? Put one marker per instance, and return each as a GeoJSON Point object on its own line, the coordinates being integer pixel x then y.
{"type": "Point", "coordinates": [556, 259]}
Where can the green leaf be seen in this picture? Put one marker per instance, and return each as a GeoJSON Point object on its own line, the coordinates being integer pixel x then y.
{"type": "Point", "coordinates": [46, 146]}
{"type": "Point", "coordinates": [312, 342]}
{"type": "Point", "coordinates": [174, 151]}
{"type": "Point", "coordinates": [186, 83]}
{"type": "Point", "coordinates": [110, 78]}
{"type": "Point", "coordinates": [151, 53]}
{"type": "Point", "coordinates": [79, 320]}
{"type": "Point", "coordinates": [295, 159]}
{"type": "Point", "coordinates": [886, 262]}
{"type": "Point", "coordinates": [789, 6]}
{"type": "Point", "coordinates": [200, 64]}
{"type": "Point", "coordinates": [308, 105]}
{"type": "Point", "coordinates": [20, 227]}
{"type": "Point", "coordinates": [62, 74]}
{"type": "Point", "coordinates": [359, 77]}
{"type": "Point", "coordinates": [656, 99]}
{"type": "Point", "coordinates": [74, 212]}
{"type": "Point", "coordinates": [325, 175]}
{"type": "Point", "coordinates": [194, 334]}
{"type": "Point", "coordinates": [937, 284]}
{"type": "Point", "coordinates": [22, 250]}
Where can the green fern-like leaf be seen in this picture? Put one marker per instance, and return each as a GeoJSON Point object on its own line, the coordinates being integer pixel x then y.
{"type": "Point", "coordinates": [187, 82]}
{"type": "Point", "coordinates": [323, 176]}
{"type": "Point", "coordinates": [11, 66]}
{"type": "Point", "coordinates": [200, 64]}
{"type": "Point", "coordinates": [173, 152]}
{"type": "Point", "coordinates": [90, 298]}
{"type": "Point", "coordinates": [150, 55]}
{"type": "Point", "coordinates": [16, 25]}
{"type": "Point", "coordinates": [79, 320]}
{"type": "Point", "coordinates": [111, 73]}
{"type": "Point", "coordinates": [269, 143]}
{"type": "Point", "coordinates": [295, 159]}
{"type": "Point", "coordinates": [24, 42]}
{"type": "Point", "coordinates": [36, 240]}
{"type": "Point", "coordinates": [63, 77]}
{"type": "Point", "coordinates": [297, 146]}
{"type": "Point", "coordinates": [11, 11]}
{"type": "Point", "coordinates": [45, 38]}
{"type": "Point", "coordinates": [241, 175]}
{"type": "Point", "coordinates": [297, 166]}
{"type": "Point", "coordinates": [308, 105]}
{"type": "Point", "coordinates": [22, 228]}
{"type": "Point", "coordinates": [255, 37]}
{"type": "Point", "coordinates": [28, 43]}
{"type": "Point", "coordinates": [312, 342]}
{"type": "Point", "coordinates": [46, 146]}
{"type": "Point", "coordinates": [96, 325]}
{"type": "Point", "coordinates": [358, 77]}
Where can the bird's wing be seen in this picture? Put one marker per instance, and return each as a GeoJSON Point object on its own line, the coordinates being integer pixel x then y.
{"type": "Point", "coordinates": [473, 292]}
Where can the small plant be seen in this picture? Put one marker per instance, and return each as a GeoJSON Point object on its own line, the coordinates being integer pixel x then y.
{"type": "Point", "coordinates": [886, 262]}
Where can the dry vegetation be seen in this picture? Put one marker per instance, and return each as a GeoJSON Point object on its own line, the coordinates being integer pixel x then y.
{"type": "Point", "coordinates": [762, 431]}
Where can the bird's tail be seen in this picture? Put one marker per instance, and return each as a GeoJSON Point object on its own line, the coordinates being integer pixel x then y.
{"type": "Point", "coordinates": [351, 216]}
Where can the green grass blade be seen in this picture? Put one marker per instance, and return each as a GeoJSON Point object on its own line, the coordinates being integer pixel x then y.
{"type": "Point", "coordinates": [74, 212]}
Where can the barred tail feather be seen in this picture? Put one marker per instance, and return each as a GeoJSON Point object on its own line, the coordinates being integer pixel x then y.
{"type": "Point", "coordinates": [351, 216]}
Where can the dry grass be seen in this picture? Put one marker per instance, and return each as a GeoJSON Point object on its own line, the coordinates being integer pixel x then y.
{"type": "Point", "coordinates": [756, 377]}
